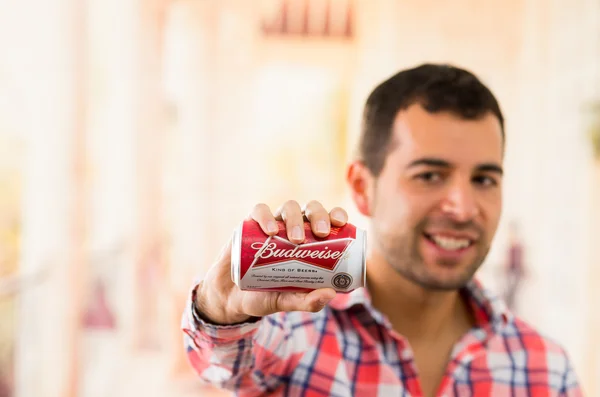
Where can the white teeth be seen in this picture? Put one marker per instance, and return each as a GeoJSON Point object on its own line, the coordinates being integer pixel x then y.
{"type": "Point", "coordinates": [451, 244]}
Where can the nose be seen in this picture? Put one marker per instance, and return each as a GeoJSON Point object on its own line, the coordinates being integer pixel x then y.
{"type": "Point", "coordinates": [460, 202]}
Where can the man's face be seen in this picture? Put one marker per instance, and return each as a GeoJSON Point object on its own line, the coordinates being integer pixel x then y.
{"type": "Point", "coordinates": [436, 205]}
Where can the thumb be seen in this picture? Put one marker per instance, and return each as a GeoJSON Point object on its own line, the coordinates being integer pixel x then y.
{"type": "Point", "coordinates": [225, 254]}
{"type": "Point", "coordinates": [313, 301]}
{"type": "Point", "coordinates": [222, 265]}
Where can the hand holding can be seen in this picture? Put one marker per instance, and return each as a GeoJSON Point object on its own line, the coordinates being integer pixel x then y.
{"type": "Point", "coordinates": [221, 301]}
{"type": "Point", "coordinates": [262, 262]}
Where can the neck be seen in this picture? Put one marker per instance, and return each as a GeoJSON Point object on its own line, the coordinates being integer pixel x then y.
{"type": "Point", "coordinates": [417, 313]}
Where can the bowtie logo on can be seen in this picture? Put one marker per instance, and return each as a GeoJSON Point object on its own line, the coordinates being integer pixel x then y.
{"type": "Point", "coordinates": [273, 263]}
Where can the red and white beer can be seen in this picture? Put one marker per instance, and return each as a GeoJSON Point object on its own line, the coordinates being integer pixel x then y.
{"type": "Point", "coordinates": [260, 262]}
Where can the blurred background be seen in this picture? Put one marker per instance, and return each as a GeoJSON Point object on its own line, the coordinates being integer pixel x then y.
{"type": "Point", "coordinates": [136, 134]}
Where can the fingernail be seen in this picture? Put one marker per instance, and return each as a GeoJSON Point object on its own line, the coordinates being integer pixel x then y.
{"type": "Point", "coordinates": [321, 227]}
{"type": "Point", "coordinates": [272, 227]}
{"type": "Point", "coordinates": [297, 233]}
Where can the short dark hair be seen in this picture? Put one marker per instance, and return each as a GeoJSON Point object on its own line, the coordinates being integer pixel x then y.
{"type": "Point", "coordinates": [437, 87]}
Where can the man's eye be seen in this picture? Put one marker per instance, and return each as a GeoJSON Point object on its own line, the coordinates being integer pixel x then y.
{"type": "Point", "coordinates": [484, 180]}
{"type": "Point", "coordinates": [430, 177]}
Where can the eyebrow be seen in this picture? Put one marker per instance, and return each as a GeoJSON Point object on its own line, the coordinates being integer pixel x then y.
{"type": "Point", "coordinates": [436, 162]}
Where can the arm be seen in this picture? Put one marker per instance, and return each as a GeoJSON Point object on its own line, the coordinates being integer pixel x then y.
{"type": "Point", "coordinates": [250, 358]}
{"type": "Point", "coordinates": [238, 339]}
{"type": "Point", "coordinates": [220, 354]}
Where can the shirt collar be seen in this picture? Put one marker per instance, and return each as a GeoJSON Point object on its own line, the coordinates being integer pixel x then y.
{"type": "Point", "coordinates": [488, 308]}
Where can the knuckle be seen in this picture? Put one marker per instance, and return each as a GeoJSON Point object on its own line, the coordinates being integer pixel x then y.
{"type": "Point", "coordinates": [260, 207]}
{"type": "Point", "coordinates": [271, 304]}
{"type": "Point", "coordinates": [291, 205]}
{"type": "Point", "coordinates": [313, 205]}
{"type": "Point", "coordinates": [290, 209]}
{"type": "Point", "coordinates": [315, 208]}
{"type": "Point", "coordinates": [316, 307]}
{"type": "Point", "coordinates": [278, 303]}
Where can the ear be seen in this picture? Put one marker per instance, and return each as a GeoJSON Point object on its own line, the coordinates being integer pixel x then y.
{"type": "Point", "coordinates": [360, 181]}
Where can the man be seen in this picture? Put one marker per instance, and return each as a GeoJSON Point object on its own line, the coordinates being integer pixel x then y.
{"type": "Point", "coordinates": [429, 178]}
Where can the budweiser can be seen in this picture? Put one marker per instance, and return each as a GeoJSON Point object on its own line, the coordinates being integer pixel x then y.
{"type": "Point", "coordinates": [260, 262]}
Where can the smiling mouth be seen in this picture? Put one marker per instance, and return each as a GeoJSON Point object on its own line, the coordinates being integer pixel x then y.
{"type": "Point", "coordinates": [449, 243]}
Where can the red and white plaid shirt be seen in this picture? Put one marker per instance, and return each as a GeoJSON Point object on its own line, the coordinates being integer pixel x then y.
{"type": "Point", "coordinates": [350, 349]}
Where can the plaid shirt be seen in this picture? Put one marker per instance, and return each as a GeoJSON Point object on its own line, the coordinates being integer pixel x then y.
{"type": "Point", "coordinates": [350, 349]}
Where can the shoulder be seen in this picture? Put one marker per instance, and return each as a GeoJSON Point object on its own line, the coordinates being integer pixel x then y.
{"type": "Point", "coordinates": [518, 350]}
{"type": "Point", "coordinates": [532, 340]}
{"type": "Point", "coordinates": [539, 351]}
{"type": "Point", "coordinates": [517, 340]}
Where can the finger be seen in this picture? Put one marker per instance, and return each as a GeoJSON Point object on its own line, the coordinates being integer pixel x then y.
{"type": "Point", "coordinates": [338, 217]}
{"type": "Point", "coordinates": [261, 213]}
{"type": "Point", "coordinates": [291, 214]}
{"type": "Point", "coordinates": [318, 217]}
{"type": "Point", "coordinates": [313, 301]}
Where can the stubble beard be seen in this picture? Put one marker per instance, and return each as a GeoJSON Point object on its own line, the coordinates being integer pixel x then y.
{"type": "Point", "coordinates": [401, 252]}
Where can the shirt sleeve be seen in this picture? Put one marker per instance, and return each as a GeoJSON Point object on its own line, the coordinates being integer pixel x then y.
{"type": "Point", "coordinates": [251, 358]}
